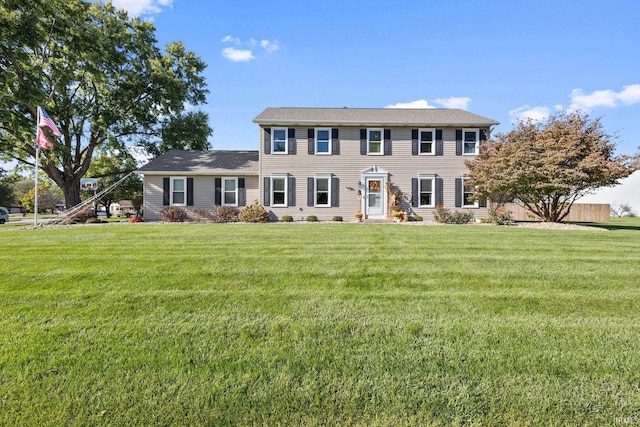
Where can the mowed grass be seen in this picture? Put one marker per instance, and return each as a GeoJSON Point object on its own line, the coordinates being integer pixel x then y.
{"type": "Point", "coordinates": [319, 324]}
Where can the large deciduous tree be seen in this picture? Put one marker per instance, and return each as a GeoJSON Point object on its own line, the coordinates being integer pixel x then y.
{"type": "Point", "coordinates": [101, 78]}
{"type": "Point", "coordinates": [546, 166]}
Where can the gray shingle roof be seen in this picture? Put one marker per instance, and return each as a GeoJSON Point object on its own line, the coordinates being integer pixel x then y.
{"type": "Point", "coordinates": [196, 162]}
{"type": "Point", "coordinates": [371, 117]}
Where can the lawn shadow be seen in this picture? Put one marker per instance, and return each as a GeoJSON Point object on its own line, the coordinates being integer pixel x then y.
{"type": "Point", "coordinates": [612, 226]}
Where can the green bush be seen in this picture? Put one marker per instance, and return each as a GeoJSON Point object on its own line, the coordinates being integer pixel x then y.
{"type": "Point", "coordinates": [500, 216]}
{"type": "Point", "coordinates": [173, 214]}
{"type": "Point", "coordinates": [337, 219]}
{"type": "Point", "coordinates": [417, 218]}
{"type": "Point", "coordinates": [254, 213]}
{"type": "Point", "coordinates": [287, 218]}
{"type": "Point", "coordinates": [225, 214]}
{"type": "Point", "coordinates": [444, 216]}
{"type": "Point", "coordinates": [312, 218]}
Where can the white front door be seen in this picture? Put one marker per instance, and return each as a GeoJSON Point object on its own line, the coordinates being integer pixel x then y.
{"type": "Point", "coordinates": [374, 198]}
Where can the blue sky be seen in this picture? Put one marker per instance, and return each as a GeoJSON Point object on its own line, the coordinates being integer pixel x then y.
{"type": "Point", "coordinates": [500, 59]}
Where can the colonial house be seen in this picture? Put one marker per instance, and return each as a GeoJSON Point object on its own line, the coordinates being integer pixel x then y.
{"type": "Point", "coordinates": [331, 162]}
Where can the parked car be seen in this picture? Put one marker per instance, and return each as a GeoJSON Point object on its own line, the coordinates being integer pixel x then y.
{"type": "Point", "coordinates": [4, 215]}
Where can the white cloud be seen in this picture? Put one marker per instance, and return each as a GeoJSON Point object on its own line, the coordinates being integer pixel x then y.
{"type": "Point", "coordinates": [454, 102]}
{"type": "Point", "coordinates": [421, 103]}
{"type": "Point", "coordinates": [269, 46]}
{"type": "Point", "coordinates": [237, 55]}
{"type": "Point", "coordinates": [143, 7]}
{"type": "Point", "coordinates": [629, 95]}
{"type": "Point", "coordinates": [525, 112]}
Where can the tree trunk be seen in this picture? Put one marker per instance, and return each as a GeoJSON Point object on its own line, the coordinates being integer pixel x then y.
{"type": "Point", "coordinates": [71, 192]}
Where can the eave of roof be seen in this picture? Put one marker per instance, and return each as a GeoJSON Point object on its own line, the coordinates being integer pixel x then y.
{"type": "Point", "coordinates": [371, 117]}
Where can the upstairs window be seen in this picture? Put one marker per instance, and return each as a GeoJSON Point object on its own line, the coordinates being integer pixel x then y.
{"type": "Point", "coordinates": [427, 141]}
{"type": "Point", "coordinates": [374, 141]}
{"type": "Point", "coordinates": [279, 140]}
{"type": "Point", "coordinates": [323, 141]}
{"type": "Point", "coordinates": [470, 142]}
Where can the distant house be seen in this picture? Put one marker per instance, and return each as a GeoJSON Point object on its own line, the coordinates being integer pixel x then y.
{"type": "Point", "coordinates": [331, 162]}
{"type": "Point", "coordinates": [122, 208]}
{"type": "Point", "coordinates": [202, 179]}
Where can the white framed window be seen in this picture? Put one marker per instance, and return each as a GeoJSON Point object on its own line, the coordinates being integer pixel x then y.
{"type": "Point", "coordinates": [178, 191]}
{"type": "Point", "coordinates": [470, 141]}
{"type": "Point", "coordinates": [279, 190]}
{"type": "Point", "coordinates": [322, 195]}
{"type": "Point", "coordinates": [467, 193]}
{"type": "Point", "coordinates": [230, 191]}
{"type": "Point", "coordinates": [323, 141]}
{"type": "Point", "coordinates": [279, 141]}
{"type": "Point", "coordinates": [427, 141]}
{"type": "Point", "coordinates": [426, 191]}
{"type": "Point", "coordinates": [375, 141]}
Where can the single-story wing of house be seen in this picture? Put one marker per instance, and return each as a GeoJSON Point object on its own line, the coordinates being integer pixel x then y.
{"type": "Point", "coordinates": [199, 179]}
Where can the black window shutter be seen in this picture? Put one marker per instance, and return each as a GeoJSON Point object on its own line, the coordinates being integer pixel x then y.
{"type": "Point", "coordinates": [482, 203]}
{"type": "Point", "coordinates": [458, 142]}
{"type": "Point", "coordinates": [189, 191]}
{"type": "Point", "coordinates": [335, 141]}
{"type": "Point", "coordinates": [291, 199]}
{"type": "Point", "coordinates": [363, 142]}
{"type": "Point", "coordinates": [439, 191]}
{"type": "Point", "coordinates": [218, 192]}
{"type": "Point", "coordinates": [414, 192]}
{"type": "Point", "coordinates": [166, 189]}
{"type": "Point", "coordinates": [310, 191]}
{"type": "Point", "coordinates": [311, 136]}
{"type": "Point", "coordinates": [414, 143]}
{"type": "Point", "coordinates": [459, 192]}
{"type": "Point", "coordinates": [267, 191]}
{"type": "Point", "coordinates": [387, 142]}
{"type": "Point", "coordinates": [267, 140]}
{"type": "Point", "coordinates": [483, 139]}
{"type": "Point", "coordinates": [335, 192]}
{"type": "Point", "coordinates": [291, 140]}
{"type": "Point", "coordinates": [242, 193]}
{"type": "Point", "coordinates": [439, 143]}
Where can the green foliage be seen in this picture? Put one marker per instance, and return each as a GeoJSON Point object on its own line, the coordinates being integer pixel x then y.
{"type": "Point", "coordinates": [500, 216]}
{"type": "Point", "coordinates": [225, 214]}
{"type": "Point", "coordinates": [109, 168]}
{"type": "Point", "coordinates": [48, 198]}
{"type": "Point", "coordinates": [254, 213]}
{"type": "Point", "coordinates": [102, 79]}
{"type": "Point", "coordinates": [337, 219]}
{"type": "Point", "coordinates": [287, 218]}
{"type": "Point", "coordinates": [218, 324]}
{"type": "Point", "coordinates": [445, 216]}
{"type": "Point", "coordinates": [174, 214]}
{"type": "Point", "coordinates": [417, 218]}
{"type": "Point", "coordinates": [6, 189]}
{"type": "Point", "coordinates": [312, 218]}
{"type": "Point", "coordinates": [546, 166]}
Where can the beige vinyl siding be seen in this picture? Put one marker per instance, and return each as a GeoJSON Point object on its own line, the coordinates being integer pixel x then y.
{"type": "Point", "coordinates": [348, 166]}
{"type": "Point", "coordinates": [203, 193]}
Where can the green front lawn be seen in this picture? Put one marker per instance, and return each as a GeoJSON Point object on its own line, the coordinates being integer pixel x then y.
{"type": "Point", "coordinates": [319, 324]}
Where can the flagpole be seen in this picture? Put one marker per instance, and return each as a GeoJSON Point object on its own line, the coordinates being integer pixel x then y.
{"type": "Point", "coordinates": [35, 191]}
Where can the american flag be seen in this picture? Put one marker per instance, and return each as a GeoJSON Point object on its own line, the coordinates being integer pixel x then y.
{"type": "Point", "coordinates": [45, 121]}
{"type": "Point", "coordinates": [42, 140]}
